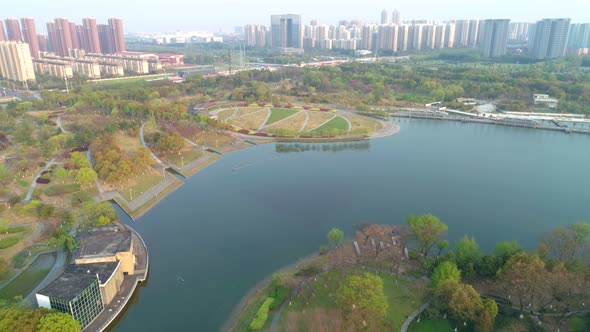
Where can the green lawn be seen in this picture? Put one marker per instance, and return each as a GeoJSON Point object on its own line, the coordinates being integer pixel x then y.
{"type": "Point", "coordinates": [336, 123]}
{"type": "Point", "coordinates": [9, 241]}
{"type": "Point", "coordinates": [278, 114]}
{"type": "Point", "coordinates": [400, 297]}
{"type": "Point", "coordinates": [144, 183]}
{"type": "Point", "coordinates": [23, 284]}
{"type": "Point", "coordinates": [431, 325]}
{"type": "Point", "coordinates": [580, 324]}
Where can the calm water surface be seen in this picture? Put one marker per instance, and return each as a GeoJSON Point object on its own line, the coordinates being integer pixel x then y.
{"type": "Point", "coordinates": [230, 226]}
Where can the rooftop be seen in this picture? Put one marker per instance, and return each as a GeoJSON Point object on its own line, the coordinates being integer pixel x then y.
{"type": "Point", "coordinates": [68, 285]}
{"type": "Point", "coordinates": [103, 270]}
{"type": "Point", "coordinates": [104, 242]}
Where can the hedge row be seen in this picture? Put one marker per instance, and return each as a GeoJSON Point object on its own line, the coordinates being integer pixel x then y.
{"type": "Point", "coordinates": [261, 315]}
{"type": "Point", "coordinates": [279, 294]}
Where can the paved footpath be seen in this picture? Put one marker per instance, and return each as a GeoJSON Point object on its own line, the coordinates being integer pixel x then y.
{"type": "Point", "coordinates": [413, 316]}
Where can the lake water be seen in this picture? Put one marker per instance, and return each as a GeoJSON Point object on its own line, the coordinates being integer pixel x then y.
{"type": "Point", "coordinates": [257, 210]}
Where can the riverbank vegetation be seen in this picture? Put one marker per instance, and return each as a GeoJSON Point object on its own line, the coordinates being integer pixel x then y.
{"type": "Point", "coordinates": [371, 283]}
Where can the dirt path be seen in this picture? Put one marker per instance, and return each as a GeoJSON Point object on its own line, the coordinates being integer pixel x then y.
{"type": "Point", "coordinates": [58, 122]}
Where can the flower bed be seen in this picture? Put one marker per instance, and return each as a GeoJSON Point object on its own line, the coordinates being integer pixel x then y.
{"type": "Point", "coordinates": [43, 181]}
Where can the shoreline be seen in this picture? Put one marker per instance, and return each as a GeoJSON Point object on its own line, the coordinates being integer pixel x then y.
{"type": "Point", "coordinates": [254, 291]}
{"type": "Point", "coordinates": [388, 128]}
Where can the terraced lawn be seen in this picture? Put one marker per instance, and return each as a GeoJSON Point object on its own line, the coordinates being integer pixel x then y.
{"type": "Point", "coordinates": [316, 119]}
{"type": "Point", "coordinates": [31, 277]}
{"type": "Point", "coordinates": [290, 126]}
{"type": "Point", "coordinates": [279, 114]}
{"type": "Point", "coordinates": [251, 121]}
{"type": "Point", "coordinates": [336, 123]}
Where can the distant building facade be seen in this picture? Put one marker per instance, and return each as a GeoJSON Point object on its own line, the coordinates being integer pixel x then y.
{"type": "Point", "coordinates": [493, 37]}
{"type": "Point", "coordinates": [550, 39]}
{"type": "Point", "coordinates": [286, 31]}
{"type": "Point", "coordinates": [15, 61]}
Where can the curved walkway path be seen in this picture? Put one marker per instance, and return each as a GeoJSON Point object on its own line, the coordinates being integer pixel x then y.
{"type": "Point", "coordinates": [413, 315]}
{"type": "Point", "coordinates": [265, 120]}
{"type": "Point", "coordinates": [306, 121]}
{"type": "Point", "coordinates": [348, 121]}
{"type": "Point", "coordinates": [58, 122]}
{"type": "Point", "coordinates": [34, 182]}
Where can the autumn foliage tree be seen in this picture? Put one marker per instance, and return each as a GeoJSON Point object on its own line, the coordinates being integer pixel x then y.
{"type": "Point", "coordinates": [114, 165]}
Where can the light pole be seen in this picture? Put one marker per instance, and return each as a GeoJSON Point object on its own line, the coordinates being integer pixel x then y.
{"type": "Point", "coordinates": [182, 160]}
{"type": "Point", "coordinates": [130, 194]}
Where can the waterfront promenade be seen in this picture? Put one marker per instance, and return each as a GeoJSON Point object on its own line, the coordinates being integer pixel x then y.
{"type": "Point", "coordinates": [130, 282]}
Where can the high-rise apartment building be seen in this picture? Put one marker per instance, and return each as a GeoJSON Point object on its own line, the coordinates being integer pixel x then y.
{"type": "Point", "coordinates": [494, 36]}
{"type": "Point", "coordinates": [579, 36]}
{"type": "Point", "coordinates": [2, 32]}
{"type": "Point", "coordinates": [116, 28]}
{"type": "Point", "coordinates": [91, 35]}
{"type": "Point", "coordinates": [286, 31]}
{"type": "Point", "coordinates": [107, 44]}
{"type": "Point", "coordinates": [396, 17]}
{"type": "Point", "coordinates": [30, 35]}
{"type": "Point", "coordinates": [60, 36]}
{"type": "Point", "coordinates": [385, 17]}
{"type": "Point", "coordinates": [473, 33]}
{"type": "Point", "coordinates": [550, 39]}
{"type": "Point", "coordinates": [13, 29]}
{"type": "Point", "coordinates": [43, 43]}
{"type": "Point", "coordinates": [15, 61]}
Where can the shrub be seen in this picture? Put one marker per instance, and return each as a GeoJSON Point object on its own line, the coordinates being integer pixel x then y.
{"type": "Point", "coordinates": [43, 181]}
{"type": "Point", "coordinates": [9, 242]}
{"type": "Point", "coordinates": [261, 315]}
{"type": "Point", "coordinates": [323, 250]}
{"type": "Point", "coordinates": [23, 183]}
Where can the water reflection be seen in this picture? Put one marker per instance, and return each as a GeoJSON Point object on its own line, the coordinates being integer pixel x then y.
{"type": "Point", "coordinates": [332, 147]}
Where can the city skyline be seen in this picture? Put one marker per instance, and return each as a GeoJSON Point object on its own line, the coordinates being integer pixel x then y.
{"type": "Point", "coordinates": [227, 14]}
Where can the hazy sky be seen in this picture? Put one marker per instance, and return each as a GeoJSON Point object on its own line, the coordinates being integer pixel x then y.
{"type": "Point", "coordinates": [162, 15]}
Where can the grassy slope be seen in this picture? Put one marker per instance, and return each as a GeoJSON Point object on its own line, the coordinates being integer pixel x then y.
{"type": "Point", "coordinates": [278, 114]}
{"type": "Point", "coordinates": [336, 123]}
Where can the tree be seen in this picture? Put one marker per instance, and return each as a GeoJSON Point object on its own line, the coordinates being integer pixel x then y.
{"type": "Point", "coordinates": [61, 173]}
{"type": "Point", "coordinates": [444, 271]}
{"type": "Point", "coordinates": [427, 229]}
{"type": "Point", "coordinates": [566, 242]}
{"type": "Point", "coordinates": [363, 295]}
{"type": "Point", "coordinates": [79, 160]}
{"type": "Point", "coordinates": [86, 176]}
{"type": "Point", "coordinates": [522, 277]}
{"type": "Point", "coordinates": [504, 250]}
{"type": "Point", "coordinates": [467, 254]}
{"type": "Point", "coordinates": [442, 245]}
{"type": "Point", "coordinates": [58, 322]}
{"type": "Point", "coordinates": [335, 236]}
{"type": "Point", "coordinates": [47, 211]}
{"type": "Point", "coordinates": [461, 301]}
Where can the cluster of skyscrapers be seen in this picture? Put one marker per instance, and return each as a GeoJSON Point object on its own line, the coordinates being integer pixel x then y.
{"type": "Point", "coordinates": [88, 49]}
{"type": "Point", "coordinates": [548, 38]}
{"type": "Point", "coordinates": [63, 36]}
